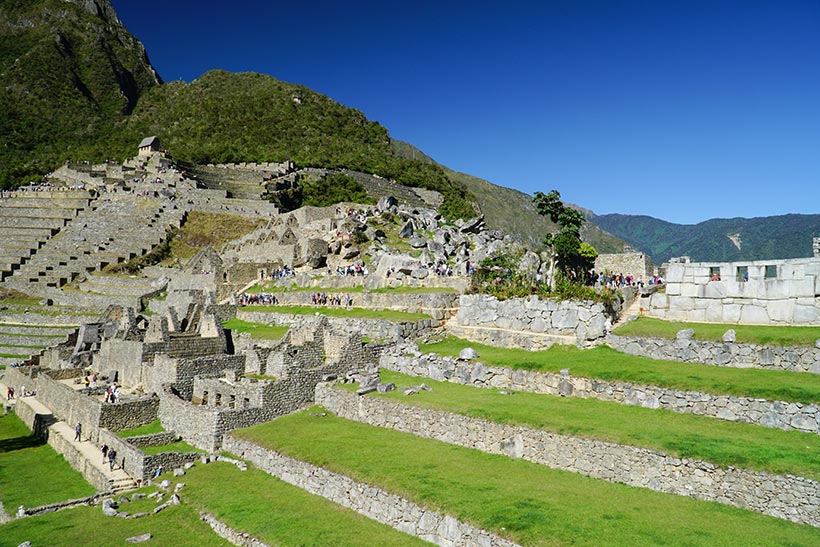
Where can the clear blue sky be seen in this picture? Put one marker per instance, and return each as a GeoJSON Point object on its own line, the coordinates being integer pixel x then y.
{"type": "Point", "coordinates": [682, 110]}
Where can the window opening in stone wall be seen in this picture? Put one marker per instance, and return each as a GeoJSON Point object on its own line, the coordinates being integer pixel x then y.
{"type": "Point", "coordinates": [204, 398]}
{"type": "Point", "coordinates": [771, 271]}
{"type": "Point", "coordinates": [232, 401]}
{"type": "Point", "coordinates": [714, 273]}
{"type": "Point", "coordinates": [742, 273]}
{"type": "Point", "coordinates": [218, 401]}
{"type": "Point", "coordinates": [246, 402]}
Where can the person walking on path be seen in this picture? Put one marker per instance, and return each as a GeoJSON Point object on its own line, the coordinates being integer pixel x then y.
{"type": "Point", "coordinates": [104, 453]}
{"type": "Point", "coordinates": [78, 431]}
{"type": "Point", "coordinates": [112, 457]}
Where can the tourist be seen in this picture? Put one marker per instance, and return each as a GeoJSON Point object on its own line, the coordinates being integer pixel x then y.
{"type": "Point", "coordinates": [10, 393]}
{"type": "Point", "coordinates": [112, 457]}
{"type": "Point", "coordinates": [157, 472]}
{"type": "Point", "coordinates": [104, 453]}
{"type": "Point", "coordinates": [78, 430]}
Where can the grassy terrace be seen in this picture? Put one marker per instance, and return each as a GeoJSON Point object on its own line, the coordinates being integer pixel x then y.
{"type": "Point", "coordinates": [178, 525]}
{"type": "Point", "coordinates": [748, 334]}
{"type": "Point", "coordinates": [281, 514]}
{"type": "Point", "coordinates": [531, 504]}
{"type": "Point", "coordinates": [682, 435]}
{"type": "Point", "coordinates": [256, 330]}
{"type": "Point", "coordinates": [179, 446]}
{"type": "Point", "coordinates": [31, 472]}
{"type": "Point", "coordinates": [147, 429]}
{"type": "Point", "coordinates": [607, 364]}
{"type": "Point", "coordinates": [358, 313]}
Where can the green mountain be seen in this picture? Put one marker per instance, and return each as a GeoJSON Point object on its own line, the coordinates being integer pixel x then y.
{"type": "Point", "coordinates": [716, 240]}
{"type": "Point", "coordinates": [513, 211]}
{"type": "Point", "coordinates": [70, 73]}
{"type": "Point", "coordinates": [77, 85]}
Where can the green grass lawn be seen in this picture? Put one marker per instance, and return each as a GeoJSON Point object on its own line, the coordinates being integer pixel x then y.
{"type": "Point", "coordinates": [31, 472]}
{"type": "Point", "coordinates": [256, 330]}
{"type": "Point", "coordinates": [359, 313]}
{"type": "Point", "coordinates": [531, 504]}
{"type": "Point", "coordinates": [773, 335]}
{"type": "Point", "coordinates": [147, 429]}
{"type": "Point", "coordinates": [178, 526]}
{"type": "Point", "coordinates": [682, 435]}
{"type": "Point", "coordinates": [607, 364]}
{"type": "Point", "coordinates": [281, 514]}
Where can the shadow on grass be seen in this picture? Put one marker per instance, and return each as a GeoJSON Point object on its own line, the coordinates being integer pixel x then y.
{"type": "Point", "coordinates": [19, 443]}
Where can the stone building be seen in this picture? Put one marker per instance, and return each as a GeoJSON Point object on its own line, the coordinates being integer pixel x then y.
{"type": "Point", "coordinates": [148, 146]}
{"type": "Point", "coordinates": [631, 263]}
{"type": "Point", "coordinates": [761, 292]}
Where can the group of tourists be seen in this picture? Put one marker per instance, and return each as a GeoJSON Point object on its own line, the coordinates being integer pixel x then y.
{"type": "Point", "coordinates": [350, 270]}
{"type": "Point", "coordinates": [109, 455]}
{"type": "Point", "coordinates": [257, 299]}
{"type": "Point", "coordinates": [323, 299]}
{"type": "Point", "coordinates": [112, 393]}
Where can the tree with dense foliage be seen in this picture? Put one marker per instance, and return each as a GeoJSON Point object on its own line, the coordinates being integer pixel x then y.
{"type": "Point", "coordinates": [565, 246]}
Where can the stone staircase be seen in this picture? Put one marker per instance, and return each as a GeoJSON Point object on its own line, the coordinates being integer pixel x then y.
{"type": "Point", "coordinates": [84, 456]}
{"type": "Point", "coordinates": [115, 230]}
{"type": "Point", "coordinates": [28, 219]}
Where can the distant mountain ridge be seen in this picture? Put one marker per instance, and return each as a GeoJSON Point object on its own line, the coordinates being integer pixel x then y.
{"type": "Point", "coordinates": [716, 240]}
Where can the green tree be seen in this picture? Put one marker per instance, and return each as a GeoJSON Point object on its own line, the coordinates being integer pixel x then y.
{"type": "Point", "coordinates": [564, 246]}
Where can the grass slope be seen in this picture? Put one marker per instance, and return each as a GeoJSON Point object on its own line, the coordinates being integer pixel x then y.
{"type": "Point", "coordinates": [681, 435]}
{"type": "Point", "coordinates": [178, 526]}
{"type": "Point", "coordinates": [256, 330]}
{"type": "Point", "coordinates": [281, 514]}
{"type": "Point", "coordinates": [531, 504]}
{"type": "Point", "coordinates": [607, 364]}
{"type": "Point", "coordinates": [31, 472]}
{"type": "Point", "coordinates": [772, 335]}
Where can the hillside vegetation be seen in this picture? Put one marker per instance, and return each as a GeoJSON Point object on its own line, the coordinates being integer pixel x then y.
{"type": "Point", "coordinates": [777, 237]}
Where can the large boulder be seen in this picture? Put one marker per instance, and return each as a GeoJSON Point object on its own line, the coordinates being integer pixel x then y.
{"type": "Point", "coordinates": [406, 230]}
{"type": "Point", "coordinates": [313, 253]}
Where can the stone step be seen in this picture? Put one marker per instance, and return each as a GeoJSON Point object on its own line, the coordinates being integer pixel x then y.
{"type": "Point", "coordinates": [39, 212]}
{"type": "Point", "coordinates": [31, 222]}
{"type": "Point", "coordinates": [12, 232]}
{"type": "Point", "coordinates": [10, 340]}
{"type": "Point", "coordinates": [8, 328]}
{"type": "Point", "coordinates": [76, 203]}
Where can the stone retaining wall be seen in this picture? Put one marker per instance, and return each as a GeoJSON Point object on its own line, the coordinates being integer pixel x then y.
{"type": "Point", "coordinates": [440, 306]}
{"type": "Point", "coordinates": [727, 354]}
{"type": "Point", "coordinates": [533, 323]}
{"type": "Point", "coordinates": [788, 497]}
{"type": "Point", "coordinates": [370, 501]}
{"type": "Point", "coordinates": [777, 414]}
{"type": "Point", "coordinates": [376, 329]}
{"type": "Point", "coordinates": [241, 539]}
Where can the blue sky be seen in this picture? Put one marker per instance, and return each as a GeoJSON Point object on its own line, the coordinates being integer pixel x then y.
{"type": "Point", "coordinates": [681, 110]}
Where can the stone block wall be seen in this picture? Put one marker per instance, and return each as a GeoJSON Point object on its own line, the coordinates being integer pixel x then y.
{"type": "Point", "coordinates": [785, 292]}
{"type": "Point", "coordinates": [727, 354]}
{"type": "Point", "coordinates": [635, 264]}
{"type": "Point", "coordinates": [441, 306]}
{"type": "Point", "coordinates": [788, 497]}
{"type": "Point", "coordinates": [530, 322]}
{"type": "Point", "coordinates": [129, 414]}
{"type": "Point", "coordinates": [376, 329]}
{"type": "Point", "coordinates": [777, 414]}
{"type": "Point", "coordinates": [140, 465]}
{"type": "Point", "coordinates": [370, 501]}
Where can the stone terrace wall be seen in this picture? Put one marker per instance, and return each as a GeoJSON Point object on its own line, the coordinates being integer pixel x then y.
{"type": "Point", "coordinates": [129, 414]}
{"type": "Point", "coordinates": [440, 306]}
{"type": "Point", "coordinates": [727, 354]}
{"type": "Point", "coordinates": [788, 497]}
{"type": "Point", "coordinates": [636, 264]}
{"type": "Point", "coordinates": [139, 465]}
{"type": "Point", "coordinates": [377, 329]}
{"type": "Point", "coordinates": [367, 500]}
{"type": "Point", "coordinates": [530, 323]}
{"type": "Point", "coordinates": [777, 414]}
